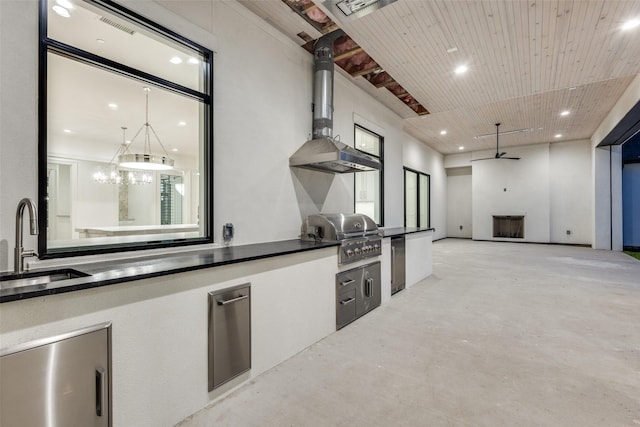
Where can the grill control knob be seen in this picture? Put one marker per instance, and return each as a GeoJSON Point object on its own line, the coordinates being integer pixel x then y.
{"type": "Point", "coordinates": [376, 247]}
{"type": "Point", "coordinates": [357, 251]}
{"type": "Point", "coordinates": [349, 253]}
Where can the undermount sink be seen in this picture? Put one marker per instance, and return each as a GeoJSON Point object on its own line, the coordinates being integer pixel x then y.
{"type": "Point", "coordinates": [41, 278]}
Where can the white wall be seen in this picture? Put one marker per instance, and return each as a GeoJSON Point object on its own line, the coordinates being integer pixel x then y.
{"type": "Point", "coordinates": [422, 158]}
{"type": "Point", "coordinates": [631, 204]}
{"type": "Point", "coordinates": [549, 185]}
{"type": "Point", "coordinates": [262, 101]}
{"type": "Point", "coordinates": [513, 187]}
{"type": "Point", "coordinates": [459, 209]}
{"type": "Point", "coordinates": [570, 192]}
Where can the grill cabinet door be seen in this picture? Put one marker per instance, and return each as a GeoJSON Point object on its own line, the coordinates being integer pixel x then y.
{"type": "Point", "coordinates": [60, 383]}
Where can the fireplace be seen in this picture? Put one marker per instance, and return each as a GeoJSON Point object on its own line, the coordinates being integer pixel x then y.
{"type": "Point", "coordinates": [508, 226]}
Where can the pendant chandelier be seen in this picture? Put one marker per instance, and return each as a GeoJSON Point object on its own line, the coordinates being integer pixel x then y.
{"type": "Point", "coordinates": [111, 174]}
{"type": "Point", "coordinates": [145, 160]}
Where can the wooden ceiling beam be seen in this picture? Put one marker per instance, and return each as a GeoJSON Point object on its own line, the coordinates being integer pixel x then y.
{"type": "Point", "coordinates": [366, 71]}
{"type": "Point", "coordinates": [348, 54]}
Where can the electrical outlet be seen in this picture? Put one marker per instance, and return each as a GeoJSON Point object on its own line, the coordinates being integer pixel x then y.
{"type": "Point", "coordinates": [461, 227]}
{"type": "Point", "coordinates": [568, 232]}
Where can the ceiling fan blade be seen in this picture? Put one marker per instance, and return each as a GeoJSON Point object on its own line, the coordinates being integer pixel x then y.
{"type": "Point", "coordinates": [510, 158]}
{"type": "Point", "coordinates": [485, 158]}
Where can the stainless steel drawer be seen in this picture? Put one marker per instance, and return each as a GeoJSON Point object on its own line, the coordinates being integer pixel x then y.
{"type": "Point", "coordinates": [229, 334]}
{"type": "Point", "coordinates": [346, 308]}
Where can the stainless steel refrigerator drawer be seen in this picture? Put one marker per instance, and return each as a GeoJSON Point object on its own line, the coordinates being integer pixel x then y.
{"type": "Point", "coordinates": [58, 381]}
{"type": "Point", "coordinates": [229, 334]}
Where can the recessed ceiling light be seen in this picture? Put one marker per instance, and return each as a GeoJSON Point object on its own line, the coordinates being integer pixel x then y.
{"type": "Point", "coordinates": [66, 4]}
{"type": "Point", "coordinates": [565, 113]}
{"type": "Point", "coordinates": [572, 88]}
{"type": "Point", "coordinates": [632, 23]}
{"type": "Point", "coordinates": [101, 41]}
{"type": "Point", "coordinates": [182, 124]}
{"type": "Point", "coordinates": [558, 135]}
{"type": "Point", "coordinates": [193, 60]}
{"type": "Point", "coordinates": [174, 150]}
{"type": "Point", "coordinates": [443, 132]}
{"type": "Point", "coordinates": [461, 148]}
{"type": "Point", "coordinates": [452, 49]}
{"type": "Point", "coordinates": [176, 60]}
{"type": "Point", "coordinates": [61, 11]}
{"type": "Point", "coordinates": [67, 130]}
{"type": "Point", "coordinates": [113, 106]}
{"type": "Point", "coordinates": [461, 69]}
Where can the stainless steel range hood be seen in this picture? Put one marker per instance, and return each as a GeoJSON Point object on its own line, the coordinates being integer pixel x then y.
{"type": "Point", "coordinates": [328, 155]}
{"type": "Point", "coordinates": [323, 153]}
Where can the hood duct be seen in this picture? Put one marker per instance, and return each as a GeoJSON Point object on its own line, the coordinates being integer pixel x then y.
{"type": "Point", "coordinates": [322, 152]}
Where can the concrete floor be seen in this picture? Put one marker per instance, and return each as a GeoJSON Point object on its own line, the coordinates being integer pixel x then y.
{"type": "Point", "coordinates": [502, 334]}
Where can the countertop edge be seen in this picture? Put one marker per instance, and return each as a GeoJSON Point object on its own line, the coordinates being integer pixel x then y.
{"type": "Point", "coordinates": [401, 231]}
{"type": "Point", "coordinates": [256, 252]}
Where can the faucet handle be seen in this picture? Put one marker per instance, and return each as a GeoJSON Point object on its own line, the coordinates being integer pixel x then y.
{"type": "Point", "coordinates": [29, 252]}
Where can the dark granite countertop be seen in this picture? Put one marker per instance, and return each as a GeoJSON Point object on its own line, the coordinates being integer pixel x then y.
{"type": "Point", "coordinates": [144, 267]}
{"type": "Point", "coordinates": [401, 231]}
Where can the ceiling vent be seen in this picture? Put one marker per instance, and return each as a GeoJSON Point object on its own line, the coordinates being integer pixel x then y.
{"type": "Point", "coordinates": [354, 9]}
{"type": "Point", "coordinates": [117, 25]}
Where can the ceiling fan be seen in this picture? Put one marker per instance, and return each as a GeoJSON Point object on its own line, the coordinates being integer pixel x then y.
{"type": "Point", "coordinates": [498, 155]}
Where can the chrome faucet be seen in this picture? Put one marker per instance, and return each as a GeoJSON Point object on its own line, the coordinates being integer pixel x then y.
{"type": "Point", "coordinates": [19, 254]}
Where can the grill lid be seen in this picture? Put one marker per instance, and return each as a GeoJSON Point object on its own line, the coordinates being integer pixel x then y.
{"type": "Point", "coordinates": [337, 226]}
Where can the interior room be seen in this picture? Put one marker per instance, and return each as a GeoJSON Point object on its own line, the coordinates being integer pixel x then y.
{"type": "Point", "coordinates": [209, 204]}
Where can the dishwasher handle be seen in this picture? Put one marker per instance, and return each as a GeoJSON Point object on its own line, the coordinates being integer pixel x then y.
{"type": "Point", "coordinates": [232, 300]}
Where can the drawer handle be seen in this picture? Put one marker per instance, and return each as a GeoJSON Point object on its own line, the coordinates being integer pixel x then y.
{"type": "Point", "coordinates": [347, 282]}
{"type": "Point", "coordinates": [100, 392]}
{"type": "Point", "coordinates": [347, 301]}
{"type": "Point", "coordinates": [232, 300]}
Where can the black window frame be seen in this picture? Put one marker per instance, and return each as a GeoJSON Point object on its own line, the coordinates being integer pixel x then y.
{"type": "Point", "coordinates": [404, 178]}
{"type": "Point", "coordinates": [47, 45]}
{"type": "Point", "coordinates": [381, 159]}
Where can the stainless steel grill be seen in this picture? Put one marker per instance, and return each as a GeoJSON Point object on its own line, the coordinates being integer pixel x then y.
{"type": "Point", "coordinates": [358, 234]}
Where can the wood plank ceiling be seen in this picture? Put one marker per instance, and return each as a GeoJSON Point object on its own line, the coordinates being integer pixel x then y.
{"type": "Point", "coordinates": [527, 62]}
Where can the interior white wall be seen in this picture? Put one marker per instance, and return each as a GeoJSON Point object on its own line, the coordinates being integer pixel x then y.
{"type": "Point", "coordinates": [262, 101]}
{"type": "Point", "coordinates": [459, 209]}
{"type": "Point", "coordinates": [570, 192]}
{"type": "Point", "coordinates": [422, 158]}
{"type": "Point", "coordinates": [631, 204]}
{"type": "Point", "coordinates": [549, 185]}
{"type": "Point", "coordinates": [513, 187]}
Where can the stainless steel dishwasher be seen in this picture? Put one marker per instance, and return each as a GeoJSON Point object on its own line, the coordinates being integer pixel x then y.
{"type": "Point", "coordinates": [229, 334]}
{"type": "Point", "coordinates": [398, 267]}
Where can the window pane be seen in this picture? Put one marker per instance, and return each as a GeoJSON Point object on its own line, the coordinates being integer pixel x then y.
{"type": "Point", "coordinates": [368, 194]}
{"type": "Point", "coordinates": [92, 200]}
{"type": "Point", "coordinates": [423, 198]}
{"type": "Point", "coordinates": [367, 141]}
{"type": "Point", "coordinates": [103, 33]}
{"type": "Point", "coordinates": [411, 199]}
